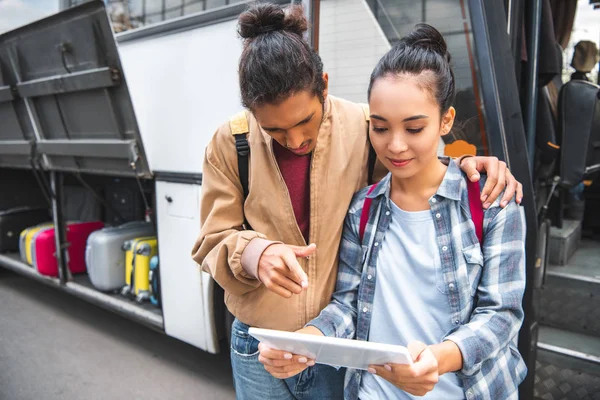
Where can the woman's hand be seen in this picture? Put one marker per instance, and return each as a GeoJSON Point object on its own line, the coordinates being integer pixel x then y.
{"type": "Point", "coordinates": [417, 379]}
{"type": "Point", "coordinates": [499, 178]}
{"type": "Point", "coordinates": [283, 364]}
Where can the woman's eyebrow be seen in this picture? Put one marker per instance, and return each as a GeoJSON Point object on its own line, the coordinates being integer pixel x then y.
{"type": "Point", "coordinates": [414, 117]}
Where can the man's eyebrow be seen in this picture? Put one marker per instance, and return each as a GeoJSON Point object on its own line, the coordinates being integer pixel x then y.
{"type": "Point", "coordinates": [305, 120]}
{"type": "Point", "coordinates": [379, 117]}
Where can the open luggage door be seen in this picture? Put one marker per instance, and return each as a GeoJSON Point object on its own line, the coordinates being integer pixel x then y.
{"type": "Point", "coordinates": [64, 101]}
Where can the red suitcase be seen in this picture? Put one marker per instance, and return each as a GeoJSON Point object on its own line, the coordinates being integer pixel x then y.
{"type": "Point", "coordinates": [77, 235]}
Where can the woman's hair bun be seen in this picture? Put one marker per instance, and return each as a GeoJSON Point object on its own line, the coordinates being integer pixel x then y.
{"type": "Point", "coordinates": [427, 37]}
{"type": "Point", "coordinates": [262, 18]}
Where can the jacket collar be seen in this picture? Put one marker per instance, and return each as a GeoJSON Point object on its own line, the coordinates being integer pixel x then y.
{"type": "Point", "coordinates": [450, 187]}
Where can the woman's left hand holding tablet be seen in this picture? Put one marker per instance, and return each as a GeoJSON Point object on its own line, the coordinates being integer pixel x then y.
{"type": "Point", "coordinates": [283, 364]}
{"type": "Point", "coordinates": [418, 378]}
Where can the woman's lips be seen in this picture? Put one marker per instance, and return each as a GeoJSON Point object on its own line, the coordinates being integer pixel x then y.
{"type": "Point", "coordinates": [400, 163]}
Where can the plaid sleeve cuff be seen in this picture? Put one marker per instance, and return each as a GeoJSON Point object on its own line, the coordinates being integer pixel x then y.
{"type": "Point", "coordinates": [334, 322]}
{"type": "Point", "coordinates": [469, 346]}
{"type": "Point", "coordinates": [324, 324]}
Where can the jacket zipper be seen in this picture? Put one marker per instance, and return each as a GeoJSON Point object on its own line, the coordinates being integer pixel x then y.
{"type": "Point", "coordinates": [303, 297]}
{"type": "Point", "coordinates": [311, 235]}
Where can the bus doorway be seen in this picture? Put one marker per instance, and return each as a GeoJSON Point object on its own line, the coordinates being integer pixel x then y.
{"type": "Point", "coordinates": [556, 63]}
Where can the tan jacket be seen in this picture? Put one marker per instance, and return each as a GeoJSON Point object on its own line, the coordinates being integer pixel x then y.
{"type": "Point", "coordinates": [338, 170]}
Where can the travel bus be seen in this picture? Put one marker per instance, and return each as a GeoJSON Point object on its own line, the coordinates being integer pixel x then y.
{"type": "Point", "coordinates": [107, 119]}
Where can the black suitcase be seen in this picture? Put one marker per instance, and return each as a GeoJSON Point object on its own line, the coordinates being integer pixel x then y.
{"type": "Point", "coordinates": [14, 221]}
{"type": "Point", "coordinates": [125, 200]}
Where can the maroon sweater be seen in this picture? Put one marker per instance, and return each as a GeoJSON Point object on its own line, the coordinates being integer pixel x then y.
{"type": "Point", "coordinates": [296, 174]}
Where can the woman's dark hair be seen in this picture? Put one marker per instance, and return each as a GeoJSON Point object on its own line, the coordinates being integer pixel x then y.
{"type": "Point", "coordinates": [423, 49]}
{"type": "Point", "coordinates": [276, 61]}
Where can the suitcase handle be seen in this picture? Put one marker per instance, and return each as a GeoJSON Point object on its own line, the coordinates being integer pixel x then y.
{"type": "Point", "coordinates": [132, 277]}
{"type": "Point", "coordinates": [131, 224]}
{"type": "Point", "coordinates": [144, 250]}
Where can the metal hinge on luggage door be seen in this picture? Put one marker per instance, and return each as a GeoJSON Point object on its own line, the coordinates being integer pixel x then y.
{"type": "Point", "coordinates": [134, 158]}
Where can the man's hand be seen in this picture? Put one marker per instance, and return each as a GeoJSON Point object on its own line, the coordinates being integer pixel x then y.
{"type": "Point", "coordinates": [499, 178]}
{"type": "Point", "coordinates": [417, 379]}
{"type": "Point", "coordinates": [280, 271]}
{"type": "Point", "coordinates": [283, 364]}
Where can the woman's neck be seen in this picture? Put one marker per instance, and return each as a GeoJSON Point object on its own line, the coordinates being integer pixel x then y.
{"type": "Point", "coordinates": [413, 194]}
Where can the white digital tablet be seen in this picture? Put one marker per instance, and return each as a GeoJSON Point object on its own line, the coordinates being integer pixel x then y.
{"type": "Point", "coordinates": [336, 352]}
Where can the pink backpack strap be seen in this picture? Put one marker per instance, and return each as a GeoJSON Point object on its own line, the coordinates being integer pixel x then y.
{"type": "Point", "coordinates": [476, 208]}
{"type": "Point", "coordinates": [474, 205]}
{"type": "Point", "coordinates": [364, 216]}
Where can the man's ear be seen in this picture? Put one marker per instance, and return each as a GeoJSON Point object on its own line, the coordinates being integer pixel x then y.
{"type": "Point", "coordinates": [326, 80]}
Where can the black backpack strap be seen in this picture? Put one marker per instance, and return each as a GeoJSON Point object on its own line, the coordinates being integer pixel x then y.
{"type": "Point", "coordinates": [371, 164]}
{"type": "Point", "coordinates": [240, 129]}
{"type": "Point", "coordinates": [243, 151]}
{"type": "Point", "coordinates": [372, 155]}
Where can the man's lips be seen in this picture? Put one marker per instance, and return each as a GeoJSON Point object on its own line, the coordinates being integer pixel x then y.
{"type": "Point", "coordinates": [300, 150]}
{"type": "Point", "coordinates": [400, 163]}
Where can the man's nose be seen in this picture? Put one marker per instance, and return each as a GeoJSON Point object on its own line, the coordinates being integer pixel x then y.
{"type": "Point", "coordinates": [294, 140]}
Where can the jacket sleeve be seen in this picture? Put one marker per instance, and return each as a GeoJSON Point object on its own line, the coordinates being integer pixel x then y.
{"type": "Point", "coordinates": [222, 239]}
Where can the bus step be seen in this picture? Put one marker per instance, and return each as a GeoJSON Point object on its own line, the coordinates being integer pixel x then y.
{"type": "Point", "coordinates": [564, 241]}
{"type": "Point", "coordinates": [570, 296]}
{"type": "Point", "coordinates": [568, 365]}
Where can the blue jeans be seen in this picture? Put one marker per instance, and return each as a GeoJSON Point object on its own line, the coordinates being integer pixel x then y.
{"type": "Point", "coordinates": [253, 382]}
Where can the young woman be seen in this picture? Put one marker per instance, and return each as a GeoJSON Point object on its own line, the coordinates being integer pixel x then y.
{"type": "Point", "coordinates": [419, 276]}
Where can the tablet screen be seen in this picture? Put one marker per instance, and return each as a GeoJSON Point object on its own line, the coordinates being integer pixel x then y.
{"type": "Point", "coordinates": [336, 352]}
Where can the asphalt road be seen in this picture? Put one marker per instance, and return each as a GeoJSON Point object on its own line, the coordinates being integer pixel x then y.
{"type": "Point", "coordinates": [54, 346]}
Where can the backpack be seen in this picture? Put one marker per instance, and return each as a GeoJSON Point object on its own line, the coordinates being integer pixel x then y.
{"type": "Point", "coordinates": [474, 205]}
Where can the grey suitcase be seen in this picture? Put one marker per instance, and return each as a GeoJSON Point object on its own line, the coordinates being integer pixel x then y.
{"type": "Point", "coordinates": [104, 257]}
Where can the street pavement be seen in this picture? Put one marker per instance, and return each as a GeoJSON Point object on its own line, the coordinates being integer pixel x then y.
{"type": "Point", "coordinates": [55, 346]}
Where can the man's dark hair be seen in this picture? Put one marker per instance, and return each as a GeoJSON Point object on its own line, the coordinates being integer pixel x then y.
{"type": "Point", "coordinates": [276, 61]}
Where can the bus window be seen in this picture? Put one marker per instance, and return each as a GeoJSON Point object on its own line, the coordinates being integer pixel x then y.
{"type": "Point", "coordinates": [132, 14]}
{"type": "Point", "coordinates": [15, 13]}
{"type": "Point", "coordinates": [452, 19]}
{"type": "Point", "coordinates": [585, 28]}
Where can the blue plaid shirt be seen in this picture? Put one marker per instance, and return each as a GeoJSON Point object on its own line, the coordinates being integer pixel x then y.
{"type": "Point", "coordinates": [485, 283]}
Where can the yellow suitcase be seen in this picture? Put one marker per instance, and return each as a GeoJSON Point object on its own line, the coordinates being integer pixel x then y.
{"type": "Point", "coordinates": [135, 281]}
{"type": "Point", "coordinates": [128, 249]}
{"type": "Point", "coordinates": [145, 250]}
{"type": "Point", "coordinates": [25, 248]}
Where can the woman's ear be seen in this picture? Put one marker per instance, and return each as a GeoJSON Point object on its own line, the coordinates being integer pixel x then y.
{"type": "Point", "coordinates": [448, 121]}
